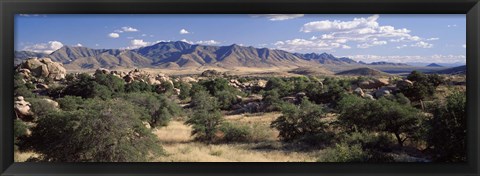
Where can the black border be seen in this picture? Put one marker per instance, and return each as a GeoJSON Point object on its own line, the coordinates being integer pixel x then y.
{"type": "Point", "coordinates": [10, 7]}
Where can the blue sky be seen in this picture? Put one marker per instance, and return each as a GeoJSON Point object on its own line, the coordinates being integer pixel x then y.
{"type": "Point", "coordinates": [366, 37]}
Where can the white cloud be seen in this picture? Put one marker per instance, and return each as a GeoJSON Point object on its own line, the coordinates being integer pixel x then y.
{"type": "Point", "coordinates": [432, 39]}
{"type": "Point", "coordinates": [137, 43]}
{"type": "Point", "coordinates": [47, 48]}
{"type": "Point", "coordinates": [144, 35]}
{"type": "Point", "coordinates": [279, 17]}
{"type": "Point", "coordinates": [464, 46]}
{"type": "Point", "coordinates": [129, 29]}
{"type": "Point", "coordinates": [364, 32]}
{"type": "Point", "coordinates": [79, 45]}
{"type": "Point", "coordinates": [113, 35]}
{"type": "Point", "coordinates": [202, 42]}
{"type": "Point", "coordinates": [422, 45]}
{"type": "Point", "coordinates": [402, 59]}
{"type": "Point", "coordinates": [184, 31]}
{"type": "Point", "coordinates": [452, 25]}
{"type": "Point", "coordinates": [208, 42]}
{"type": "Point", "coordinates": [118, 31]}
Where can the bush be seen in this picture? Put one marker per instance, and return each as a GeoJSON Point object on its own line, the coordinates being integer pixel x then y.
{"type": "Point", "coordinates": [184, 90]}
{"type": "Point", "coordinates": [447, 133]}
{"type": "Point", "coordinates": [102, 131]}
{"type": "Point", "coordinates": [159, 108]}
{"type": "Point", "coordinates": [345, 153]}
{"type": "Point", "coordinates": [300, 121]}
{"type": "Point", "coordinates": [138, 86]}
{"type": "Point", "coordinates": [206, 117]}
{"type": "Point", "coordinates": [235, 132]}
{"type": "Point", "coordinates": [70, 103]}
{"type": "Point", "coordinates": [40, 107]}
{"type": "Point", "coordinates": [226, 99]}
{"type": "Point", "coordinates": [423, 85]}
{"type": "Point", "coordinates": [382, 115]}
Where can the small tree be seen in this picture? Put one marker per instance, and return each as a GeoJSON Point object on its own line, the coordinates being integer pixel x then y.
{"type": "Point", "coordinates": [300, 121]}
{"type": "Point", "coordinates": [447, 133]}
{"type": "Point", "coordinates": [206, 117]}
{"type": "Point", "coordinates": [101, 131]}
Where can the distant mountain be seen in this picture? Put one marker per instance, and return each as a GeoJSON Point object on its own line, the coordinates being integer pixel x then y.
{"type": "Point", "coordinates": [184, 55]}
{"type": "Point", "coordinates": [423, 64]}
{"type": "Point", "coordinates": [388, 63]}
{"type": "Point", "coordinates": [434, 65]}
{"type": "Point", "coordinates": [455, 70]}
{"type": "Point", "coordinates": [21, 55]}
{"type": "Point", "coordinates": [326, 58]}
{"type": "Point", "coordinates": [363, 72]}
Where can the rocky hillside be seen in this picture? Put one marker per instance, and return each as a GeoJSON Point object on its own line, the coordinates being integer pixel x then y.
{"type": "Point", "coordinates": [455, 70]}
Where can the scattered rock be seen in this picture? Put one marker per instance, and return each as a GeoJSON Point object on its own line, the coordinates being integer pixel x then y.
{"type": "Point", "coordinates": [41, 86]}
{"type": "Point", "coordinates": [404, 84]}
{"type": "Point", "coordinates": [359, 92]}
{"type": "Point", "coordinates": [42, 68]}
{"type": "Point", "coordinates": [22, 108]}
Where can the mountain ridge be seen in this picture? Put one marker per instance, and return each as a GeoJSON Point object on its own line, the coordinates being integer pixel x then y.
{"type": "Point", "coordinates": [178, 54]}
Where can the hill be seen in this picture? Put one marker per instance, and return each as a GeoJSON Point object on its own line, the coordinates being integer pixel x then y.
{"type": "Point", "coordinates": [434, 65]}
{"type": "Point", "coordinates": [455, 70]}
{"type": "Point", "coordinates": [363, 72]}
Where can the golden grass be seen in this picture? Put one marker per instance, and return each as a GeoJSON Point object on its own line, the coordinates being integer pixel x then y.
{"type": "Point", "coordinates": [23, 156]}
{"type": "Point", "coordinates": [180, 146]}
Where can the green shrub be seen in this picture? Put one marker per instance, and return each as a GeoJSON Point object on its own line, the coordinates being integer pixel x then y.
{"type": "Point", "coordinates": [138, 86]}
{"type": "Point", "coordinates": [300, 121]}
{"type": "Point", "coordinates": [102, 131]}
{"type": "Point", "coordinates": [226, 99]}
{"type": "Point", "coordinates": [235, 132]}
{"type": "Point", "coordinates": [345, 153]}
{"type": "Point", "coordinates": [447, 129]}
{"type": "Point", "coordinates": [206, 117]}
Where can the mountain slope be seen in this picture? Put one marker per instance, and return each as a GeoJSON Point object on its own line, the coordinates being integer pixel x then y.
{"type": "Point", "coordinates": [434, 65]}
{"type": "Point", "coordinates": [455, 70]}
{"type": "Point", "coordinates": [363, 72]}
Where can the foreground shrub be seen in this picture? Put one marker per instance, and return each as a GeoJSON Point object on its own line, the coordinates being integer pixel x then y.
{"type": "Point", "coordinates": [235, 132]}
{"type": "Point", "coordinates": [447, 133]}
{"type": "Point", "coordinates": [345, 153]}
{"type": "Point", "coordinates": [206, 117]}
{"type": "Point", "coordinates": [101, 131]}
{"type": "Point", "coordinates": [300, 121]}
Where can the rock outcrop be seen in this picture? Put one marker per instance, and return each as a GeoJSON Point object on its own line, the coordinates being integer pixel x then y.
{"type": "Point", "coordinates": [42, 68]}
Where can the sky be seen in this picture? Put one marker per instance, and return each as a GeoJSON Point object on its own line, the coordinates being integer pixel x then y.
{"type": "Point", "coordinates": [436, 38]}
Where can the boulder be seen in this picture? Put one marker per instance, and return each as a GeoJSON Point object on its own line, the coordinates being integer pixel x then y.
{"type": "Point", "coordinates": [402, 84]}
{"type": "Point", "coordinates": [382, 92]}
{"type": "Point", "coordinates": [22, 108]}
{"type": "Point", "coordinates": [41, 86]}
{"type": "Point", "coordinates": [368, 96]}
{"type": "Point", "coordinates": [176, 91]}
{"type": "Point", "coordinates": [358, 91]}
{"type": "Point", "coordinates": [43, 68]}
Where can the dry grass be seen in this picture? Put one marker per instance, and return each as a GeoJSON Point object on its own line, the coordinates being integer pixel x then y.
{"type": "Point", "coordinates": [23, 156]}
{"type": "Point", "coordinates": [180, 146]}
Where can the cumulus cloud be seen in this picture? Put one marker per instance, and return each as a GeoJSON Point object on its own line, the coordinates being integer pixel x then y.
{"type": "Point", "coordinates": [113, 35]}
{"type": "Point", "coordinates": [202, 42]}
{"type": "Point", "coordinates": [362, 32]}
{"type": "Point", "coordinates": [422, 45]}
{"type": "Point", "coordinates": [79, 45]}
{"type": "Point", "coordinates": [137, 43]}
{"type": "Point", "coordinates": [402, 59]}
{"type": "Point", "coordinates": [184, 31]}
{"type": "Point", "coordinates": [452, 25]}
{"type": "Point", "coordinates": [129, 29]}
{"type": "Point", "coordinates": [46, 48]}
{"type": "Point", "coordinates": [208, 42]}
{"type": "Point", "coordinates": [279, 17]}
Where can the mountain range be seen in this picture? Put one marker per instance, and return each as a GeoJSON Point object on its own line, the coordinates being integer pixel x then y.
{"type": "Point", "coordinates": [184, 55]}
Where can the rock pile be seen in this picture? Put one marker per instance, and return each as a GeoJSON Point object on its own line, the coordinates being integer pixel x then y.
{"type": "Point", "coordinates": [43, 68]}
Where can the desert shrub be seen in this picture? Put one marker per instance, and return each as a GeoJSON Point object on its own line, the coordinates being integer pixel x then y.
{"type": "Point", "coordinates": [159, 108]}
{"type": "Point", "coordinates": [298, 122]}
{"type": "Point", "coordinates": [196, 87]}
{"type": "Point", "coordinates": [383, 115]}
{"type": "Point", "coordinates": [235, 132]}
{"type": "Point", "coordinates": [165, 87]}
{"type": "Point", "coordinates": [214, 86]}
{"type": "Point", "coordinates": [19, 128]}
{"type": "Point", "coordinates": [184, 90]}
{"type": "Point", "coordinates": [70, 103]}
{"type": "Point", "coordinates": [423, 85]}
{"type": "Point", "coordinates": [112, 82]}
{"type": "Point", "coordinates": [85, 86]}
{"type": "Point", "coordinates": [447, 132]}
{"type": "Point", "coordinates": [370, 141]}
{"type": "Point", "coordinates": [284, 88]}
{"type": "Point", "coordinates": [22, 88]}
{"type": "Point", "coordinates": [345, 153]}
{"type": "Point", "coordinates": [138, 86]}
{"type": "Point", "coordinates": [205, 118]}
{"type": "Point", "coordinates": [272, 100]}
{"type": "Point", "coordinates": [226, 99]}
{"type": "Point", "coordinates": [102, 131]}
{"type": "Point", "coordinates": [40, 107]}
